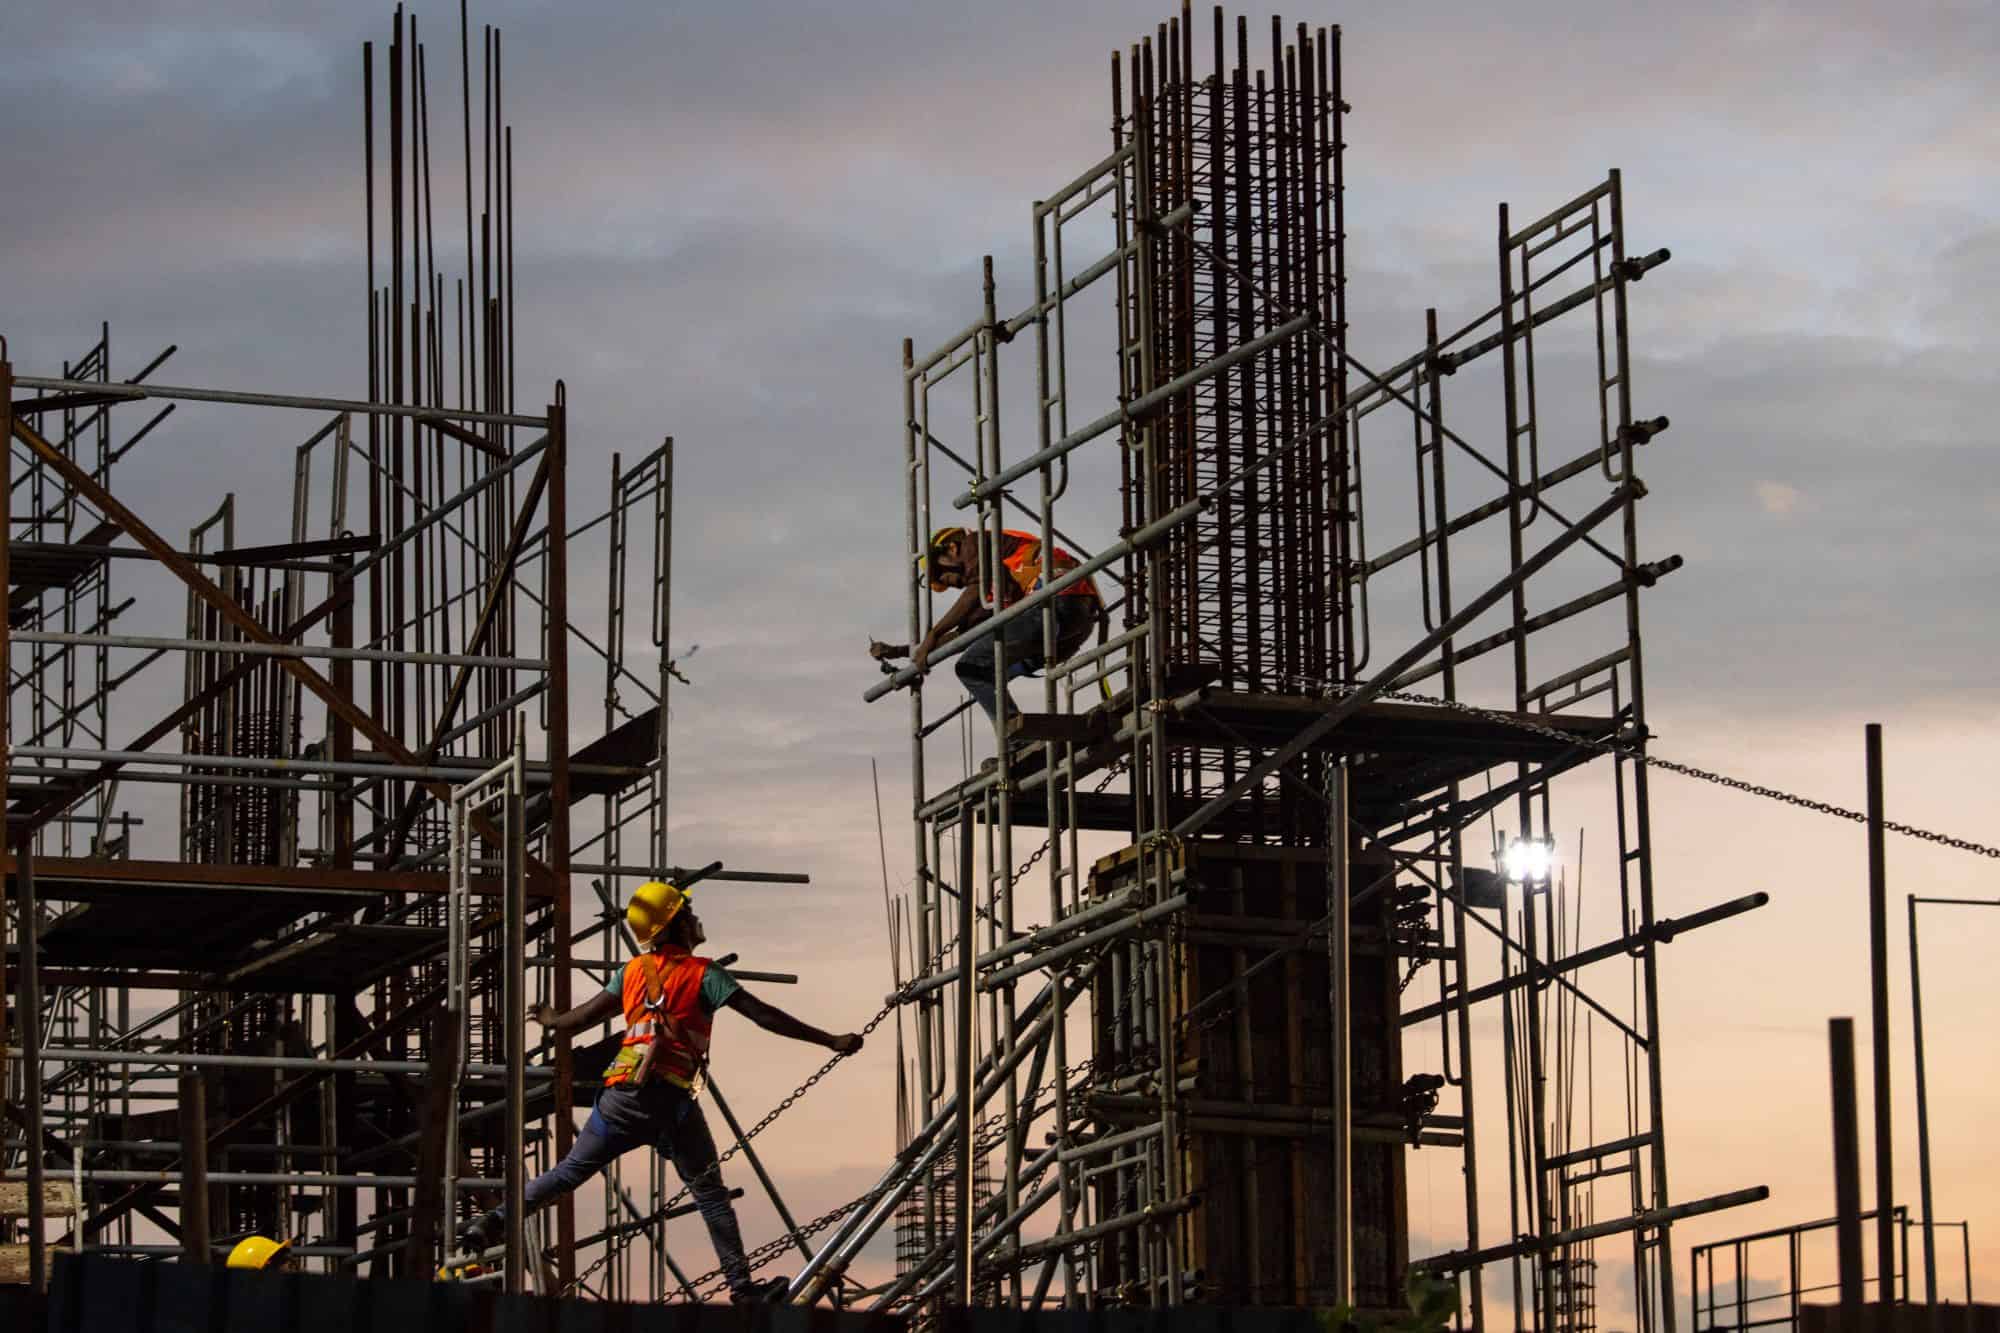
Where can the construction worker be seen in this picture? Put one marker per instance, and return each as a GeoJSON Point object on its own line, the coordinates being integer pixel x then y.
{"type": "Point", "coordinates": [668, 997]}
{"type": "Point", "coordinates": [953, 561]}
{"type": "Point", "coordinates": [262, 1252]}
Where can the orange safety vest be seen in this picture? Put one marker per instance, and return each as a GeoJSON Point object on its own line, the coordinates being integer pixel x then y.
{"type": "Point", "coordinates": [1021, 553]}
{"type": "Point", "coordinates": [662, 998]}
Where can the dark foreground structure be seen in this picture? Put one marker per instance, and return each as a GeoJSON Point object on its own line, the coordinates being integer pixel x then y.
{"type": "Point", "coordinates": [103, 1295]}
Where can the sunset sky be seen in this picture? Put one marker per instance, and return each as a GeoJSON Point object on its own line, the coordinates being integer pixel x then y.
{"type": "Point", "coordinates": [731, 215]}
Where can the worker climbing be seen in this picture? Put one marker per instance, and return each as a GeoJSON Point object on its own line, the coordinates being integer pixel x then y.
{"type": "Point", "coordinates": [668, 997]}
{"type": "Point", "coordinates": [952, 560]}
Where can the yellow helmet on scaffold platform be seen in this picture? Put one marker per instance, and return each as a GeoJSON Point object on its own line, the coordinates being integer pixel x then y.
{"type": "Point", "coordinates": [259, 1252]}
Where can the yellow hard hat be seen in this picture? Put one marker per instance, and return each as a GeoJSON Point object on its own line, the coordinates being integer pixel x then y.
{"type": "Point", "coordinates": [654, 904]}
{"type": "Point", "coordinates": [933, 551]}
{"type": "Point", "coordinates": [258, 1252]}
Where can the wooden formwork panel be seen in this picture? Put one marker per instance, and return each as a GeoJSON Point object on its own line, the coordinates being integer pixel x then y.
{"type": "Point", "coordinates": [58, 1198]}
{"type": "Point", "coordinates": [1256, 1144]}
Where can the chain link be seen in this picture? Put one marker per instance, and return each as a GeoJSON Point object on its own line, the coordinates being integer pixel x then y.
{"type": "Point", "coordinates": [772, 1249]}
{"type": "Point", "coordinates": [791, 1099]}
{"type": "Point", "coordinates": [1628, 750]}
{"type": "Point", "coordinates": [1110, 774]}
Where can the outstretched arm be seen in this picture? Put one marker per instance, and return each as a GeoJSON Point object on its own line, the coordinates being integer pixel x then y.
{"type": "Point", "coordinates": [773, 1019]}
{"type": "Point", "coordinates": [590, 1013]}
{"type": "Point", "coordinates": [964, 613]}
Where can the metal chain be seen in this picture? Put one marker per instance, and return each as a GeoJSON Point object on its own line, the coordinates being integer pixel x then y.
{"type": "Point", "coordinates": [1109, 775]}
{"type": "Point", "coordinates": [988, 1135]}
{"type": "Point", "coordinates": [765, 1253]}
{"type": "Point", "coordinates": [614, 1251]}
{"type": "Point", "coordinates": [1632, 752]}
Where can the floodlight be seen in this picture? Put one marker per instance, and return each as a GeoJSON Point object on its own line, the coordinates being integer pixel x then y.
{"type": "Point", "coordinates": [1529, 860]}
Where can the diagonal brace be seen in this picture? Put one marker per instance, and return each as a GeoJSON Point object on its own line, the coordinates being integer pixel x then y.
{"type": "Point", "coordinates": [1360, 698]}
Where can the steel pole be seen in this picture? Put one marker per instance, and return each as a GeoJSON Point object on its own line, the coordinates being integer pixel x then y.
{"type": "Point", "coordinates": [193, 1114]}
{"type": "Point", "coordinates": [1878, 969]}
{"type": "Point", "coordinates": [1923, 1122]}
{"type": "Point", "coordinates": [1846, 1168]}
{"type": "Point", "coordinates": [557, 843]}
{"type": "Point", "coordinates": [961, 1204]}
{"type": "Point", "coordinates": [513, 989]}
{"type": "Point", "coordinates": [1338, 956]}
{"type": "Point", "coordinates": [29, 1005]}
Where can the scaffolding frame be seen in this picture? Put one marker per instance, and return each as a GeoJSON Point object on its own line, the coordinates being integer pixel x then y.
{"type": "Point", "coordinates": [374, 750]}
{"type": "Point", "coordinates": [1239, 717]}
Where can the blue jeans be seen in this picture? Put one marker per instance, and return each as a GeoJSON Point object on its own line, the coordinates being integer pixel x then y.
{"type": "Point", "coordinates": [1022, 639]}
{"type": "Point", "coordinates": [670, 1121]}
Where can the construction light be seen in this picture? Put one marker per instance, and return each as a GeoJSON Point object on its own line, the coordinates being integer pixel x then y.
{"type": "Point", "coordinates": [1529, 860]}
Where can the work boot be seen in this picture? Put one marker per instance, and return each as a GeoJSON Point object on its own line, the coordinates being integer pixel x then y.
{"type": "Point", "coordinates": [481, 1233]}
{"type": "Point", "coordinates": [769, 1291]}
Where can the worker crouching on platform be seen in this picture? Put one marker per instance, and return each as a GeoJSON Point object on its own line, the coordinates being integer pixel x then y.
{"type": "Point", "coordinates": [953, 561]}
{"type": "Point", "coordinates": [669, 998]}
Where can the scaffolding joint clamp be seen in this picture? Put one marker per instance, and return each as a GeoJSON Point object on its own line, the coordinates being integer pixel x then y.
{"type": "Point", "coordinates": [1632, 270]}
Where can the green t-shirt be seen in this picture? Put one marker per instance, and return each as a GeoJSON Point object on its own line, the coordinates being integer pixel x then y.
{"type": "Point", "coordinates": [717, 986]}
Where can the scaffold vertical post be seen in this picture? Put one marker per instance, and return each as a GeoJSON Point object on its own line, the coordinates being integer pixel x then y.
{"type": "Point", "coordinates": [1339, 957]}
{"type": "Point", "coordinates": [192, 1115]}
{"type": "Point", "coordinates": [28, 1004]}
{"type": "Point", "coordinates": [968, 979]}
{"type": "Point", "coordinates": [558, 840]}
{"type": "Point", "coordinates": [514, 1011]}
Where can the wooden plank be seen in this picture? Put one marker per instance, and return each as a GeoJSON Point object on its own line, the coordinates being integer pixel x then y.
{"type": "Point", "coordinates": [58, 1198]}
{"type": "Point", "coordinates": [1072, 728]}
{"type": "Point", "coordinates": [14, 1265]}
{"type": "Point", "coordinates": [440, 1085]}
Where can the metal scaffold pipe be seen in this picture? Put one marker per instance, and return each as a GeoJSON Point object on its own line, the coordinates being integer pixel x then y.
{"type": "Point", "coordinates": [1136, 410]}
{"type": "Point", "coordinates": [1032, 602]}
{"type": "Point", "coordinates": [236, 648]}
{"type": "Point", "coordinates": [137, 392]}
{"type": "Point", "coordinates": [192, 1060]}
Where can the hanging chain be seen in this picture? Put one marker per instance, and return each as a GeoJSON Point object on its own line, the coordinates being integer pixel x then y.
{"type": "Point", "coordinates": [1109, 774]}
{"type": "Point", "coordinates": [769, 1251]}
{"type": "Point", "coordinates": [1630, 749]}
{"type": "Point", "coordinates": [791, 1099]}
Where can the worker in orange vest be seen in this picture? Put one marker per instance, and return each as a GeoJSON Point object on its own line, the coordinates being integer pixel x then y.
{"type": "Point", "coordinates": [669, 998]}
{"type": "Point", "coordinates": [953, 561]}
